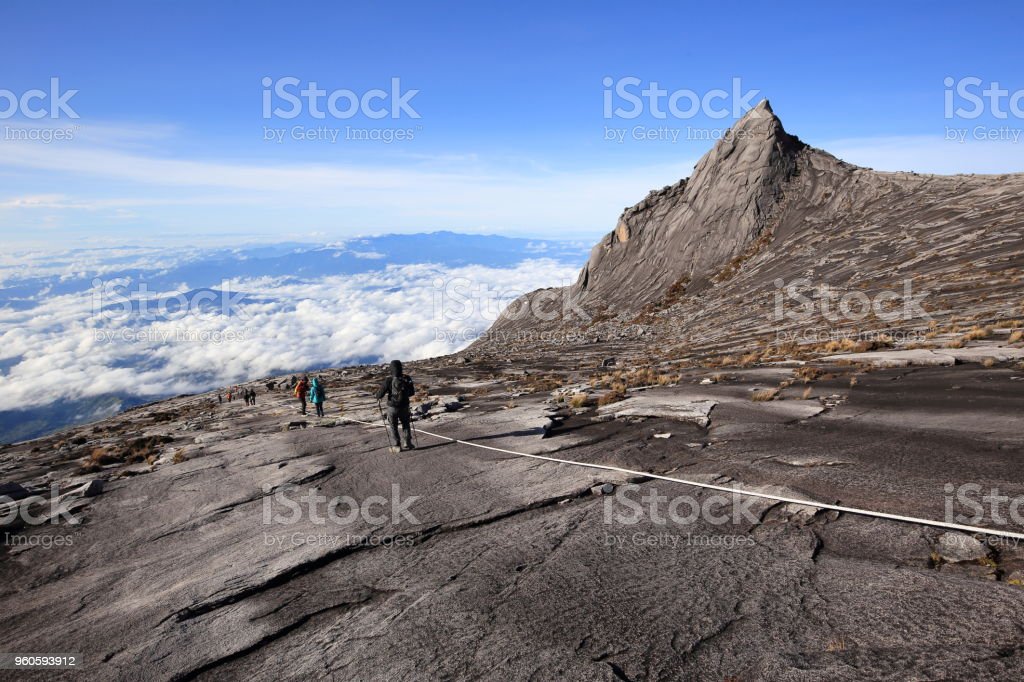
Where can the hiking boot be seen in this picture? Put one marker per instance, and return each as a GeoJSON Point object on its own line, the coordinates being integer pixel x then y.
{"type": "Point", "coordinates": [409, 446]}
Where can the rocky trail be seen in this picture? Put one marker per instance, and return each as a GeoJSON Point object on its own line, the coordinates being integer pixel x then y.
{"type": "Point", "coordinates": [188, 564]}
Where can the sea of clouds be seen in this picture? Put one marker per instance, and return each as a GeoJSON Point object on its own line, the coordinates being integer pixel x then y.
{"type": "Point", "coordinates": [149, 323]}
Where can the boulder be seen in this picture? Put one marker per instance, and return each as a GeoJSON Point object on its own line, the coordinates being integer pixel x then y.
{"type": "Point", "coordinates": [653, 405]}
{"type": "Point", "coordinates": [92, 488]}
{"type": "Point", "coordinates": [550, 425]}
{"type": "Point", "coordinates": [14, 491]}
{"type": "Point", "coordinates": [957, 547]}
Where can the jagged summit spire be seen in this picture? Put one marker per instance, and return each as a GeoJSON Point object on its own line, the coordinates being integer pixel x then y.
{"type": "Point", "coordinates": [762, 111]}
{"type": "Point", "coordinates": [687, 231]}
{"type": "Point", "coordinates": [756, 140]}
{"type": "Point", "coordinates": [761, 120]}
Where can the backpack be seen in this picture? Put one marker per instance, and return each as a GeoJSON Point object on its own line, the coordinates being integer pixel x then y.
{"type": "Point", "coordinates": [400, 389]}
{"type": "Point", "coordinates": [317, 393]}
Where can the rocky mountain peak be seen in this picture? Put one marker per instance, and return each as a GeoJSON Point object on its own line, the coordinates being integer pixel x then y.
{"type": "Point", "coordinates": [757, 140]}
{"type": "Point", "coordinates": [700, 260]}
{"type": "Point", "coordinates": [686, 231]}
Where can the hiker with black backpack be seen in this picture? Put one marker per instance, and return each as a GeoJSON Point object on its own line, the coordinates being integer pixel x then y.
{"type": "Point", "coordinates": [398, 388]}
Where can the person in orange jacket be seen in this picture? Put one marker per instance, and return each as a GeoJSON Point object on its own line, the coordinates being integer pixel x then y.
{"type": "Point", "coordinates": [301, 389]}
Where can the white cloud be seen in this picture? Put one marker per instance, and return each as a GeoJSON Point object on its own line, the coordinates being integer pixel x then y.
{"type": "Point", "coordinates": [63, 349]}
{"type": "Point", "coordinates": [393, 191]}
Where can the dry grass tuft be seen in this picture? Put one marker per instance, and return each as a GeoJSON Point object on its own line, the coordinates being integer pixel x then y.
{"type": "Point", "coordinates": [101, 456]}
{"type": "Point", "coordinates": [144, 449]}
{"type": "Point", "coordinates": [765, 395]}
{"type": "Point", "coordinates": [852, 346]}
{"type": "Point", "coordinates": [667, 379]}
{"type": "Point", "coordinates": [642, 376]}
{"type": "Point", "coordinates": [807, 374]}
{"type": "Point", "coordinates": [613, 396]}
{"type": "Point", "coordinates": [976, 333]}
{"type": "Point", "coordinates": [749, 359]}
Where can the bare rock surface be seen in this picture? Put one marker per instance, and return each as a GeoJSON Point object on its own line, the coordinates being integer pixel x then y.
{"type": "Point", "coordinates": [897, 358]}
{"type": "Point", "coordinates": [940, 357]}
{"type": "Point", "coordinates": [197, 569]}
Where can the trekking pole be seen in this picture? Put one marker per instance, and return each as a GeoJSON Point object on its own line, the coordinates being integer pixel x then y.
{"type": "Point", "coordinates": [387, 427]}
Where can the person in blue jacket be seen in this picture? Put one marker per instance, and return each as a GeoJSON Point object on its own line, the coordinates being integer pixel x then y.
{"type": "Point", "coordinates": [317, 395]}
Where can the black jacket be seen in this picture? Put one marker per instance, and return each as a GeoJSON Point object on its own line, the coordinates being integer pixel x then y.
{"type": "Point", "coordinates": [399, 397]}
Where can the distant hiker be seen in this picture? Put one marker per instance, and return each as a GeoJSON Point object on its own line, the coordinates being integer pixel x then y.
{"type": "Point", "coordinates": [252, 396]}
{"type": "Point", "coordinates": [398, 388]}
{"type": "Point", "coordinates": [301, 389]}
{"type": "Point", "coordinates": [220, 399]}
{"type": "Point", "coordinates": [317, 395]}
{"type": "Point", "coordinates": [229, 395]}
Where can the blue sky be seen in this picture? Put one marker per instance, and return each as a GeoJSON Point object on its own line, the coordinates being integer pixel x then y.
{"type": "Point", "coordinates": [170, 140]}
